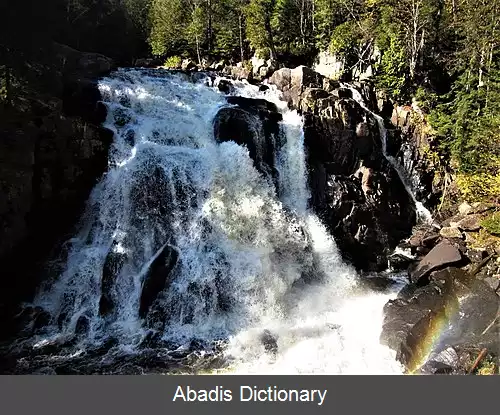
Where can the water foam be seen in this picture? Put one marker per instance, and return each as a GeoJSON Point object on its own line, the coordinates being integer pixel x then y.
{"type": "Point", "coordinates": [243, 251]}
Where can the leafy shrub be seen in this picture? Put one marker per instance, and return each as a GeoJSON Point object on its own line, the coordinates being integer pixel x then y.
{"type": "Point", "coordinates": [492, 223]}
{"type": "Point", "coordinates": [173, 62]}
{"type": "Point", "coordinates": [392, 69]}
{"type": "Point", "coordinates": [479, 186]}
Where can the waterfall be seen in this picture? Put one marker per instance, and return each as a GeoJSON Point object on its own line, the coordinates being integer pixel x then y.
{"type": "Point", "coordinates": [184, 242]}
{"type": "Point", "coordinates": [422, 212]}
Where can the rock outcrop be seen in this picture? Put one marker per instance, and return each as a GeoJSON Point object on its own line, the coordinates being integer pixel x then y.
{"type": "Point", "coordinates": [354, 188]}
{"type": "Point", "coordinates": [417, 153]}
{"type": "Point", "coordinates": [253, 123]}
{"type": "Point", "coordinates": [52, 151]}
{"type": "Point", "coordinates": [448, 314]}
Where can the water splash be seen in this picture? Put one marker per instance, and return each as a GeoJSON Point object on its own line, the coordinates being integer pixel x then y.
{"type": "Point", "coordinates": [234, 257]}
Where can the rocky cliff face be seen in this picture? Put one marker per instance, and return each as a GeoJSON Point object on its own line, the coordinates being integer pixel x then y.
{"type": "Point", "coordinates": [421, 162]}
{"type": "Point", "coordinates": [354, 188]}
{"type": "Point", "coordinates": [52, 151]}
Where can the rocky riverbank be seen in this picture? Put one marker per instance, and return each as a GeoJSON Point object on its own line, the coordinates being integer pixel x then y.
{"type": "Point", "coordinates": [446, 320]}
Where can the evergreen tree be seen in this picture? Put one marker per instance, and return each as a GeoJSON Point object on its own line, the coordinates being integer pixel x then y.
{"type": "Point", "coordinates": [168, 21]}
{"type": "Point", "coordinates": [259, 31]}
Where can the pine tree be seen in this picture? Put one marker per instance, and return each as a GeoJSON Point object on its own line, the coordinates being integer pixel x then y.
{"type": "Point", "coordinates": [168, 23]}
{"type": "Point", "coordinates": [259, 31]}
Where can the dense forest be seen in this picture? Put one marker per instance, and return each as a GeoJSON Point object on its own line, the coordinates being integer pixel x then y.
{"type": "Point", "coordinates": [441, 53]}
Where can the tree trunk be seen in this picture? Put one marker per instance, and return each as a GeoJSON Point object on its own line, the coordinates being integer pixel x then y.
{"type": "Point", "coordinates": [242, 53]}
{"type": "Point", "coordinates": [272, 48]}
{"type": "Point", "coordinates": [302, 22]}
{"type": "Point", "coordinates": [8, 87]}
{"type": "Point", "coordinates": [481, 63]}
{"type": "Point", "coordinates": [209, 26]}
{"type": "Point", "coordinates": [198, 50]}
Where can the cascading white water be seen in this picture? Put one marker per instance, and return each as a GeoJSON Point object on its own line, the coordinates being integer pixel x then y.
{"type": "Point", "coordinates": [422, 212]}
{"type": "Point", "coordinates": [241, 251]}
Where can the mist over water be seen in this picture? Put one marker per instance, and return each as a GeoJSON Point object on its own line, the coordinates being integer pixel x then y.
{"type": "Point", "coordinates": [250, 265]}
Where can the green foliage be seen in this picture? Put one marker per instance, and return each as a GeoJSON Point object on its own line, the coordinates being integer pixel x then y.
{"type": "Point", "coordinates": [326, 17]}
{"type": "Point", "coordinates": [173, 62]}
{"type": "Point", "coordinates": [344, 38]}
{"type": "Point", "coordinates": [284, 23]}
{"type": "Point", "coordinates": [392, 70]}
{"type": "Point", "coordinates": [492, 223]}
{"type": "Point", "coordinates": [259, 32]}
{"type": "Point", "coordinates": [229, 27]}
{"type": "Point", "coordinates": [168, 22]}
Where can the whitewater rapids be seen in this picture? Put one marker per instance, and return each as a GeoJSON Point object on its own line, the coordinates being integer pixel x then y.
{"type": "Point", "coordinates": [239, 241]}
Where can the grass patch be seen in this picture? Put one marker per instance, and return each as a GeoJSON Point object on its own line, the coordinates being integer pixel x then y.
{"type": "Point", "coordinates": [173, 62]}
{"type": "Point", "coordinates": [492, 223]}
{"type": "Point", "coordinates": [487, 367]}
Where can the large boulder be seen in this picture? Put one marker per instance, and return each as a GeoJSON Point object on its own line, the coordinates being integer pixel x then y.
{"type": "Point", "coordinates": [253, 123]}
{"type": "Point", "coordinates": [293, 82]}
{"type": "Point", "coordinates": [443, 254]}
{"type": "Point", "coordinates": [411, 320]}
{"type": "Point", "coordinates": [442, 321]}
{"type": "Point", "coordinates": [157, 278]}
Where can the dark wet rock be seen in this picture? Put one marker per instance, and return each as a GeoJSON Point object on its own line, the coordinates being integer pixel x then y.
{"type": "Point", "coordinates": [354, 189]}
{"type": "Point", "coordinates": [111, 269]}
{"type": "Point", "coordinates": [331, 145]}
{"type": "Point", "coordinates": [253, 123]}
{"type": "Point", "coordinates": [82, 326]}
{"type": "Point", "coordinates": [256, 106]}
{"type": "Point", "coordinates": [441, 255]}
{"type": "Point", "coordinates": [399, 262]}
{"type": "Point", "coordinates": [269, 341]}
{"type": "Point", "coordinates": [158, 276]}
{"type": "Point", "coordinates": [443, 363]}
{"type": "Point", "coordinates": [121, 117]}
{"type": "Point", "coordinates": [207, 78]}
{"type": "Point", "coordinates": [31, 319]}
{"type": "Point", "coordinates": [263, 88]}
{"type": "Point", "coordinates": [412, 318]}
{"type": "Point", "coordinates": [52, 152]}
{"type": "Point", "coordinates": [147, 63]}
{"type": "Point", "coordinates": [377, 283]}
{"type": "Point", "coordinates": [41, 319]}
{"type": "Point", "coordinates": [367, 226]}
{"type": "Point", "coordinates": [490, 274]}
{"type": "Point", "coordinates": [435, 368]}
{"type": "Point", "coordinates": [225, 86]}
{"type": "Point", "coordinates": [479, 306]}
{"type": "Point", "coordinates": [129, 137]}
{"type": "Point", "coordinates": [82, 98]}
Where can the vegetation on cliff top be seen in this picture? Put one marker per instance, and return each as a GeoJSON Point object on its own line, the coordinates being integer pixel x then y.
{"type": "Point", "coordinates": [443, 51]}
